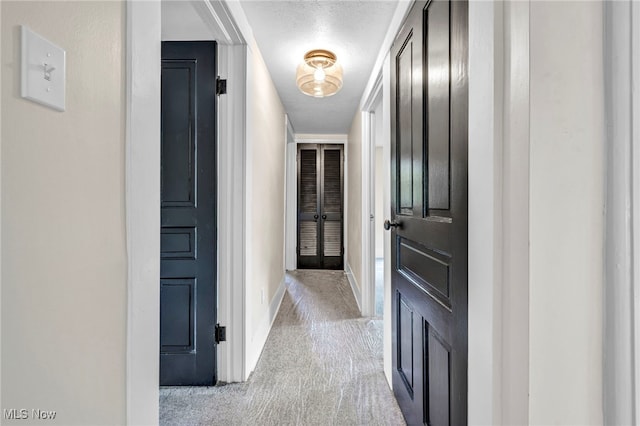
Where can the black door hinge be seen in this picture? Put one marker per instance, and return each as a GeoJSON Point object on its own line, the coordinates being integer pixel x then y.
{"type": "Point", "coordinates": [221, 86]}
{"type": "Point", "coordinates": [221, 333]}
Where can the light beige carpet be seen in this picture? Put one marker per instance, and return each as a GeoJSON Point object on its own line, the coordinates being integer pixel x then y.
{"type": "Point", "coordinates": [321, 365]}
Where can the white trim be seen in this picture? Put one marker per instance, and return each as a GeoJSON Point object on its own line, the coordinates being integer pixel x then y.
{"type": "Point", "coordinates": [216, 17]}
{"type": "Point", "coordinates": [635, 193]}
{"type": "Point", "coordinates": [514, 323]}
{"type": "Point", "coordinates": [345, 210]}
{"type": "Point", "coordinates": [231, 207]}
{"type": "Point", "coordinates": [485, 217]}
{"type": "Point", "coordinates": [386, 205]}
{"type": "Point", "coordinates": [367, 307]}
{"type": "Point", "coordinates": [143, 210]}
{"type": "Point", "coordinates": [238, 19]}
{"type": "Point", "coordinates": [286, 201]}
{"type": "Point", "coordinates": [621, 281]}
{"type": "Point", "coordinates": [321, 138]}
{"type": "Point", "coordinates": [291, 200]}
{"type": "Point", "coordinates": [354, 285]}
{"type": "Point", "coordinates": [368, 210]}
{"type": "Point", "coordinates": [246, 218]}
{"type": "Point", "coordinates": [292, 189]}
{"type": "Point", "coordinates": [1, 203]}
{"type": "Point", "coordinates": [262, 332]}
{"type": "Point", "coordinates": [368, 229]}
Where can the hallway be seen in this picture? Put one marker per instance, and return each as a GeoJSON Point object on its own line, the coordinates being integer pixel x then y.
{"type": "Point", "coordinates": [322, 364]}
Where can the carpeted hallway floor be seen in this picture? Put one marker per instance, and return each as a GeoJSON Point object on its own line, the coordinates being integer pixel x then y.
{"type": "Point", "coordinates": [321, 365]}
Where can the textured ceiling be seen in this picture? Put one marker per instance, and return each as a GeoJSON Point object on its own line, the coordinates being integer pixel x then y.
{"type": "Point", "coordinates": [353, 30]}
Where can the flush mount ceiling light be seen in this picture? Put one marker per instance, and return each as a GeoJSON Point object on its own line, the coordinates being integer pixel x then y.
{"type": "Point", "coordinates": [319, 75]}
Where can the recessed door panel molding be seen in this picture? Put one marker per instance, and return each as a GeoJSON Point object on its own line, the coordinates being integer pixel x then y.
{"type": "Point", "coordinates": [178, 176]}
{"type": "Point", "coordinates": [406, 344]}
{"type": "Point", "coordinates": [320, 242]}
{"type": "Point", "coordinates": [438, 378]}
{"type": "Point", "coordinates": [425, 268]}
{"type": "Point", "coordinates": [429, 126]}
{"type": "Point", "coordinates": [405, 105]}
{"type": "Point", "coordinates": [178, 242]}
{"type": "Point", "coordinates": [177, 315]}
{"type": "Point", "coordinates": [437, 51]}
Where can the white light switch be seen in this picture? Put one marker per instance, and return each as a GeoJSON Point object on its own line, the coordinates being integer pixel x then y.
{"type": "Point", "coordinates": [43, 70]}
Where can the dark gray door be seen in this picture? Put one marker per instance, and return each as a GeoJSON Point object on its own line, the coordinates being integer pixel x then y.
{"type": "Point", "coordinates": [320, 206]}
{"type": "Point", "coordinates": [429, 210]}
{"type": "Point", "coordinates": [188, 214]}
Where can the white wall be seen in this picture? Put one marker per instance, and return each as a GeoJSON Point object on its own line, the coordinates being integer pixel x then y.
{"type": "Point", "coordinates": [64, 271]}
{"type": "Point", "coordinates": [566, 212]}
{"type": "Point", "coordinates": [265, 206]}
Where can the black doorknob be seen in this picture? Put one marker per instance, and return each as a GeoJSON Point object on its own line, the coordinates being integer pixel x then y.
{"type": "Point", "coordinates": [324, 216]}
{"type": "Point", "coordinates": [389, 224]}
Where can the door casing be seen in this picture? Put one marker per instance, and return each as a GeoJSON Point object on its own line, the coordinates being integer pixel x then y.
{"type": "Point", "coordinates": [142, 148]}
{"type": "Point", "coordinates": [322, 216]}
{"type": "Point", "coordinates": [292, 187]}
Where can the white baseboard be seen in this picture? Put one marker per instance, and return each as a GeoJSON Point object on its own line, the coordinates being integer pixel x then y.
{"type": "Point", "coordinates": [354, 286]}
{"type": "Point", "coordinates": [260, 336]}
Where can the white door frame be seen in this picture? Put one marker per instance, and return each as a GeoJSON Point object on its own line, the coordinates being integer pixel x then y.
{"type": "Point", "coordinates": [368, 159]}
{"type": "Point", "coordinates": [142, 204]}
{"type": "Point", "coordinates": [621, 379]}
{"type": "Point", "coordinates": [291, 259]}
{"type": "Point", "coordinates": [488, 204]}
{"type": "Point", "coordinates": [379, 90]}
{"type": "Point", "coordinates": [293, 139]}
{"type": "Point", "coordinates": [143, 58]}
{"type": "Point", "coordinates": [142, 210]}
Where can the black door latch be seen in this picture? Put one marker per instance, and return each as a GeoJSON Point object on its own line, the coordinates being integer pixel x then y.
{"type": "Point", "coordinates": [221, 333]}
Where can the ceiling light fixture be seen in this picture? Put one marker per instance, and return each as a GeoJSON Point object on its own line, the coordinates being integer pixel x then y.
{"type": "Point", "coordinates": [319, 75]}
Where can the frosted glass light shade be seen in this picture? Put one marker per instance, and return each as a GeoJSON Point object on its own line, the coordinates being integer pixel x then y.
{"type": "Point", "coordinates": [309, 76]}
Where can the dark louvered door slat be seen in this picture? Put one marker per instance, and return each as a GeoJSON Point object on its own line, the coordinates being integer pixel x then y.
{"type": "Point", "coordinates": [308, 181]}
{"type": "Point", "coordinates": [320, 205]}
{"type": "Point", "coordinates": [331, 208]}
{"type": "Point", "coordinates": [332, 181]}
{"type": "Point", "coordinates": [308, 207]}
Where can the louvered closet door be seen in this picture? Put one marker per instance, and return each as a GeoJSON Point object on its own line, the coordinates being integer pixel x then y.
{"type": "Point", "coordinates": [331, 206]}
{"type": "Point", "coordinates": [320, 207]}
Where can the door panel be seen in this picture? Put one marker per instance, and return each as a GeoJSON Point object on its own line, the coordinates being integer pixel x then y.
{"type": "Point", "coordinates": [309, 194]}
{"type": "Point", "coordinates": [429, 204]}
{"type": "Point", "coordinates": [320, 206]}
{"type": "Point", "coordinates": [331, 206]}
{"type": "Point", "coordinates": [188, 214]}
{"type": "Point", "coordinates": [437, 56]}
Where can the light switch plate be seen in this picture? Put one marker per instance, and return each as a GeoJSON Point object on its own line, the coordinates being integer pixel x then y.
{"type": "Point", "coordinates": [43, 70]}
